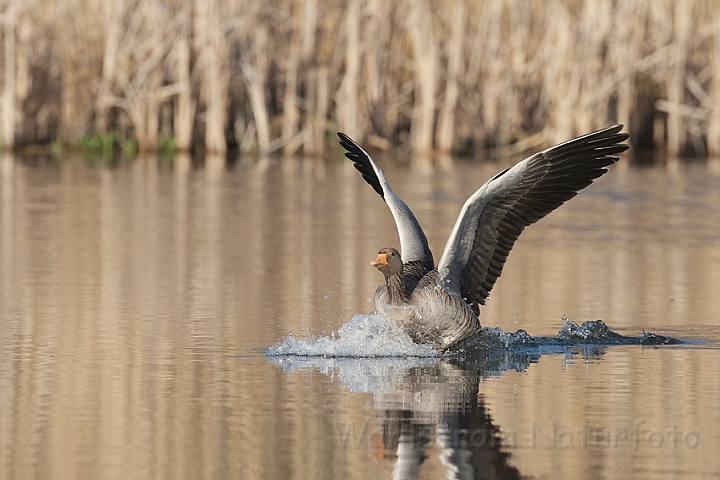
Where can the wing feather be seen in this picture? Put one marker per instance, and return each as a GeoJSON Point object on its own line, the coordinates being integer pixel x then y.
{"type": "Point", "coordinates": [493, 218]}
{"type": "Point", "coordinates": [414, 246]}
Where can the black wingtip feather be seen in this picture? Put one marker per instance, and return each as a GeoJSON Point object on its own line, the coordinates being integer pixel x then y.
{"type": "Point", "coordinates": [361, 161]}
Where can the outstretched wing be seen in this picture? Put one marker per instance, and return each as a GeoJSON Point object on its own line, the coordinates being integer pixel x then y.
{"type": "Point", "coordinates": [413, 243]}
{"type": "Point", "coordinates": [494, 216]}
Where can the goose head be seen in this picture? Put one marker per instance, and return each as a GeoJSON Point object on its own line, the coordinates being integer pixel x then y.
{"type": "Point", "coordinates": [388, 261]}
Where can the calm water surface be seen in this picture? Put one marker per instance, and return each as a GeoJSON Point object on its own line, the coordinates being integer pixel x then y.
{"type": "Point", "coordinates": [136, 301]}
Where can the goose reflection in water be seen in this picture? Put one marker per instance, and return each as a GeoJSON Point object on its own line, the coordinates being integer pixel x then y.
{"type": "Point", "coordinates": [428, 406]}
{"type": "Point", "coordinates": [439, 408]}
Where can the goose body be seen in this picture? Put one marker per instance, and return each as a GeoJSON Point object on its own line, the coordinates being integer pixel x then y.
{"type": "Point", "coordinates": [439, 305]}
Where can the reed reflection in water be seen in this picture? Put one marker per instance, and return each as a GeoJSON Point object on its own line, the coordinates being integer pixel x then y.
{"type": "Point", "coordinates": [128, 294]}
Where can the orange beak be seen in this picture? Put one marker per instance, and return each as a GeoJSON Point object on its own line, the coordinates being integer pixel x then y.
{"type": "Point", "coordinates": [380, 262]}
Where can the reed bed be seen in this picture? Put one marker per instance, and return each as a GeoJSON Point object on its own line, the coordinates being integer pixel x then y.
{"type": "Point", "coordinates": [428, 75]}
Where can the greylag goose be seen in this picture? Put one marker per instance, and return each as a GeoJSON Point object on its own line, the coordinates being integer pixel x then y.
{"type": "Point", "coordinates": [440, 305]}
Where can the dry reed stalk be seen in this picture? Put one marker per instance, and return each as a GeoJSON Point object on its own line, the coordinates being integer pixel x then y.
{"type": "Point", "coordinates": [291, 110]}
{"type": "Point", "coordinates": [562, 81]}
{"type": "Point", "coordinates": [8, 97]}
{"type": "Point", "coordinates": [309, 34]}
{"type": "Point", "coordinates": [625, 52]}
{"type": "Point", "coordinates": [147, 138]}
{"type": "Point", "coordinates": [184, 110]}
{"type": "Point", "coordinates": [492, 69]}
{"type": "Point", "coordinates": [502, 73]}
{"type": "Point", "coordinates": [374, 40]}
{"type": "Point", "coordinates": [713, 131]}
{"type": "Point", "coordinates": [347, 96]}
{"type": "Point", "coordinates": [315, 144]}
{"type": "Point", "coordinates": [23, 51]}
{"type": "Point", "coordinates": [595, 28]}
{"type": "Point", "coordinates": [479, 19]}
{"type": "Point", "coordinates": [520, 47]}
{"type": "Point", "coordinates": [211, 44]}
{"type": "Point", "coordinates": [445, 135]}
{"type": "Point", "coordinates": [512, 76]}
{"type": "Point", "coordinates": [323, 74]}
{"type": "Point", "coordinates": [257, 101]}
{"type": "Point", "coordinates": [310, 20]}
{"type": "Point", "coordinates": [113, 18]}
{"type": "Point", "coordinates": [255, 73]}
{"type": "Point", "coordinates": [676, 81]}
{"type": "Point", "coordinates": [384, 86]}
{"type": "Point", "coordinates": [420, 28]}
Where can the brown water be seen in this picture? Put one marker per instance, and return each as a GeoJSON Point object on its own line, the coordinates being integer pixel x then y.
{"type": "Point", "coordinates": [135, 302]}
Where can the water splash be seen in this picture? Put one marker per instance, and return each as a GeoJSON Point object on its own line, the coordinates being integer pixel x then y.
{"type": "Point", "coordinates": [376, 336]}
{"type": "Point", "coordinates": [363, 336]}
{"type": "Point", "coordinates": [590, 333]}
